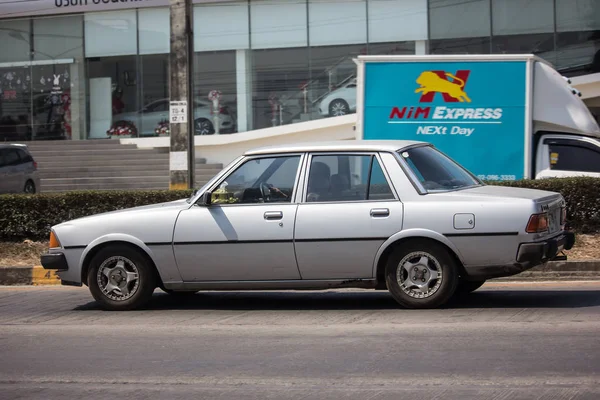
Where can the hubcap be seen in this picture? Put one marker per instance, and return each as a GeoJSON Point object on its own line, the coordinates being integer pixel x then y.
{"type": "Point", "coordinates": [29, 188]}
{"type": "Point", "coordinates": [419, 275]}
{"type": "Point", "coordinates": [203, 127]}
{"type": "Point", "coordinates": [118, 278]}
{"type": "Point", "coordinates": [338, 109]}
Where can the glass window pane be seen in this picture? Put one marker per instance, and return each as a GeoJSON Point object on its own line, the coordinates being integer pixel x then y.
{"type": "Point", "coordinates": [338, 178]}
{"type": "Point", "coordinates": [511, 17]}
{"type": "Point", "coordinates": [577, 15]}
{"type": "Point", "coordinates": [379, 188]}
{"type": "Point", "coordinates": [459, 18]}
{"type": "Point", "coordinates": [277, 24]}
{"type": "Point", "coordinates": [337, 22]}
{"type": "Point", "coordinates": [475, 45]}
{"type": "Point", "coordinates": [154, 30]}
{"type": "Point", "coordinates": [435, 171]}
{"type": "Point", "coordinates": [541, 44]}
{"type": "Point", "coordinates": [277, 86]}
{"type": "Point", "coordinates": [58, 37]}
{"type": "Point", "coordinates": [154, 74]}
{"type": "Point", "coordinates": [110, 33]}
{"type": "Point", "coordinates": [212, 33]}
{"type": "Point", "coordinates": [14, 40]}
{"type": "Point", "coordinates": [216, 71]}
{"type": "Point", "coordinates": [397, 20]}
{"type": "Point", "coordinates": [264, 180]}
{"type": "Point", "coordinates": [574, 158]}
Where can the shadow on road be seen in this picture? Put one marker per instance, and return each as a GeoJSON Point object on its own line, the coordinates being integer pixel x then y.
{"type": "Point", "coordinates": [376, 300]}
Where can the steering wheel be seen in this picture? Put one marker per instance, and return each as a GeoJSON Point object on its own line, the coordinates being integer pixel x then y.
{"type": "Point", "coordinates": [265, 190]}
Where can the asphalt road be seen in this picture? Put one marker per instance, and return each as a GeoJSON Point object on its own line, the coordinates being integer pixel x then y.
{"type": "Point", "coordinates": [505, 341]}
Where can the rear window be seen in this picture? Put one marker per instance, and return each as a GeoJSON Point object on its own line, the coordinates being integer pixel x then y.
{"type": "Point", "coordinates": [436, 172]}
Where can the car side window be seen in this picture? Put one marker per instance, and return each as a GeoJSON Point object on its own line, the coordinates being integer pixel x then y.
{"type": "Point", "coordinates": [259, 180]}
{"type": "Point", "coordinates": [25, 158]}
{"type": "Point", "coordinates": [336, 178]}
{"type": "Point", "coordinates": [11, 157]}
{"type": "Point", "coordinates": [573, 158]}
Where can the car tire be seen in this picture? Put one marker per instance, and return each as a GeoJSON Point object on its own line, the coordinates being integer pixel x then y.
{"type": "Point", "coordinates": [425, 260]}
{"type": "Point", "coordinates": [466, 287]}
{"type": "Point", "coordinates": [338, 107]}
{"type": "Point", "coordinates": [121, 278]}
{"type": "Point", "coordinates": [29, 187]}
{"type": "Point", "coordinates": [202, 126]}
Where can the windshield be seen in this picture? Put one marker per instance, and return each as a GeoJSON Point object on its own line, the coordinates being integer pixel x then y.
{"type": "Point", "coordinates": [435, 171]}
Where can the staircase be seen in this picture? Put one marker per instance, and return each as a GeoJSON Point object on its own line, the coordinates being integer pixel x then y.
{"type": "Point", "coordinates": [106, 165]}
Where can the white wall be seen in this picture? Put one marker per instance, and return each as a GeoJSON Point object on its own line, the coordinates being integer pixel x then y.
{"type": "Point", "coordinates": [225, 148]}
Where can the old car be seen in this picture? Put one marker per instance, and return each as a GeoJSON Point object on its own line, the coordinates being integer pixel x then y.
{"type": "Point", "coordinates": [395, 215]}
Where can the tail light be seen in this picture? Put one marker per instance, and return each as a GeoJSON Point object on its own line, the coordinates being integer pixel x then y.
{"type": "Point", "coordinates": [537, 223]}
{"type": "Point", "coordinates": [563, 216]}
{"type": "Point", "coordinates": [54, 243]}
{"type": "Point", "coordinates": [34, 165]}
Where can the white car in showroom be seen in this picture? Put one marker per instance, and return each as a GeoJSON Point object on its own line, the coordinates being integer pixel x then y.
{"type": "Point", "coordinates": [339, 102]}
{"type": "Point", "coordinates": [148, 118]}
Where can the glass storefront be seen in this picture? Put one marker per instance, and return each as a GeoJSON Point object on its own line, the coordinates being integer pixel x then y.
{"type": "Point", "coordinates": [98, 74]}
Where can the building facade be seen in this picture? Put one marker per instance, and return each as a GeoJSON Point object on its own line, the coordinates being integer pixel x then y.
{"type": "Point", "coordinates": [92, 69]}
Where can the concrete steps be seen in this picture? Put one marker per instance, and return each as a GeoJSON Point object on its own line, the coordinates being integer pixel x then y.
{"type": "Point", "coordinates": [106, 165]}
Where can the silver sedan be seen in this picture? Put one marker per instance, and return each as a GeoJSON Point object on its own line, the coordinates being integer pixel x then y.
{"type": "Point", "coordinates": [390, 215]}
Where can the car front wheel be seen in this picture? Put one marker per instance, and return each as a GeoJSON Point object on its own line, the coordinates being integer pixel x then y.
{"type": "Point", "coordinates": [120, 278]}
{"type": "Point", "coordinates": [202, 126]}
{"type": "Point", "coordinates": [421, 274]}
{"type": "Point", "coordinates": [338, 107]}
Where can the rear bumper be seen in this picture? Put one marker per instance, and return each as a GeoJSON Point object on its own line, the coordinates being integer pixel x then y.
{"type": "Point", "coordinates": [55, 261]}
{"type": "Point", "coordinates": [529, 255]}
{"type": "Point", "coordinates": [537, 253]}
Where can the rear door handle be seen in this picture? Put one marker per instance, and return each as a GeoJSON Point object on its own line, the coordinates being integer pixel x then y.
{"type": "Point", "coordinates": [380, 212]}
{"type": "Point", "coordinates": [271, 215]}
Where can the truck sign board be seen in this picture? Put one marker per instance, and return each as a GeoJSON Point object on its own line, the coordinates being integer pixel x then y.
{"type": "Point", "coordinates": [474, 111]}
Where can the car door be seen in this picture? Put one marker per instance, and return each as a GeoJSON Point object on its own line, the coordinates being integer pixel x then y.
{"type": "Point", "coordinates": [348, 210]}
{"type": "Point", "coordinates": [246, 233]}
{"type": "Point", "coordinates": [6, 180]}
{"type": "Point", "coordinates": [153, 115]}
{"type": "Point", "coordinates": [560, 157]}
{"type": "Point", "coordinates": [13, 173]}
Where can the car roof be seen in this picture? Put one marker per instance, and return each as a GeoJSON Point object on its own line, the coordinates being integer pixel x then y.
{"type": "Point", "coordinates": [337, 145]}
{"type": "Point", "coordinates": [13, 146]}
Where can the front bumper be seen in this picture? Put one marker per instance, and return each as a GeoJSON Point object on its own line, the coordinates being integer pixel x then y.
{"type": "Point", "coordinates": [532, 254]}
{"type": "Point", "coordinates": [55, 261]}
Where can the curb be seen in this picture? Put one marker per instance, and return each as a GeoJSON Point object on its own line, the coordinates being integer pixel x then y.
{"type": "Point", "coordinates": [36, 275]}
{"type": "Point", "coordinates": [553, 271]}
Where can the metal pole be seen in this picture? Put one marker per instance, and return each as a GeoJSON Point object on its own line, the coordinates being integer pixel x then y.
{"type": "Point", "coordinates": [181, 114]}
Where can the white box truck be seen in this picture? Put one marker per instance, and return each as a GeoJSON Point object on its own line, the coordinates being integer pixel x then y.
{"type": "Point", "coordinates": [504, 117]}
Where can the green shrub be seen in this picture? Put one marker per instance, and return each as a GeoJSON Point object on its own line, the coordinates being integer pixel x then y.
{"type": "Point", "coordinates": [30, 217]}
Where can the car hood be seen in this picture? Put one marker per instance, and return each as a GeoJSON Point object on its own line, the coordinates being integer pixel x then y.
{"type": "Point", "coordinates": [176, 204]}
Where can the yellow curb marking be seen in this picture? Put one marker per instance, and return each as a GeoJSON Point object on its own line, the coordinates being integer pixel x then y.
{"type": "Point", "coordinates": [41, 276]}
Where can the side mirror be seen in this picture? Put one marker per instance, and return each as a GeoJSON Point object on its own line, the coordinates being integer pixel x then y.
{"type": "Point", "coordinates": [206, 198]}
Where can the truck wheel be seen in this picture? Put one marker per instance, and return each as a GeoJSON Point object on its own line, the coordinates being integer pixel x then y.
{"type": "Point", "coordinates": [121, 278]}
{"type": "Point", "coordinates": [466, 287]}
{"type": "Point", "coordinates": [421, 274]}
{"type": "Point", "coordinates": [338, 107]}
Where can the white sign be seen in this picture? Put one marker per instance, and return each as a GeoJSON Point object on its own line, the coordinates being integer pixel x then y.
{"type": "Point", "coordinates": [178, 112]}
{"type": "Point", "coordinates": [178, 161]}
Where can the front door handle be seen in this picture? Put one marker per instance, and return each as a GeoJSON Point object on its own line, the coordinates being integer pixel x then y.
{"type": "Point", "coordinates": [271, 215]}
{"type": "Point", "coordinates": [380, 212]}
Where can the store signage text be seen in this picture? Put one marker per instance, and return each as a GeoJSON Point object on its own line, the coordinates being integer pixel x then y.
{"type": "Point", "coordinates": [432, 83]}
{"type": "Point", "coordinates": [73, 3]}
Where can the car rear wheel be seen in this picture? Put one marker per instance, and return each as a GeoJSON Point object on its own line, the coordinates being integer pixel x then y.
{"type": "Point", "coordinates": [29, 187]}
{"type": "Point", "coordinates": [421, 274]}
{"type": "Point", "coordinates": [466, 287]}
{"type": "Point", "coordinates": [121, 278]}
{"type": "Point", "coordinates": [338, 107]}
